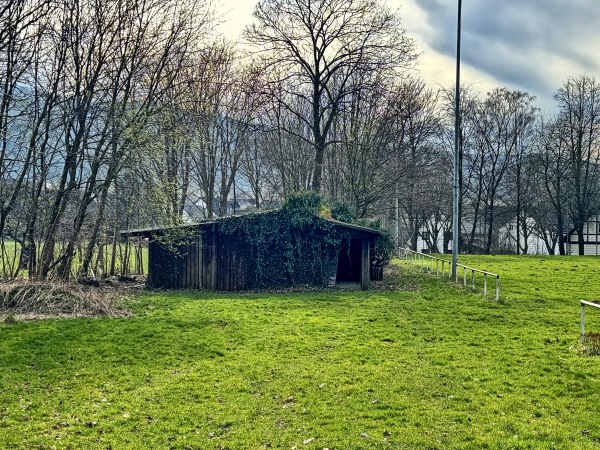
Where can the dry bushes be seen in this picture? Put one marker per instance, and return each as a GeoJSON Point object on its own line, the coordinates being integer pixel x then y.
{"type": "Point", "coordinates": [32, 300]}
{"type": "Point", "coordinates": [591, 344]}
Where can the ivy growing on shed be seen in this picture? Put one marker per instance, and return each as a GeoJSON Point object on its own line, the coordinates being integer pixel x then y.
{"type": "Point", "coordinates": [292, 246]}
{"type": "Point", "coordinates": [288, 247]}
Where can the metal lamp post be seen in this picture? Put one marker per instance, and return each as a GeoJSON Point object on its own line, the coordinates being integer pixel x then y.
{"type": "Point", "coordinates": [456, 193]}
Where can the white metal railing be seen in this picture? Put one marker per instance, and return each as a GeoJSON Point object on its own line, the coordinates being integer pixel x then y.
{"type": "Point", "coordinates": [427, 262]}
{"type": "Point", "coordinates": [583, 304]}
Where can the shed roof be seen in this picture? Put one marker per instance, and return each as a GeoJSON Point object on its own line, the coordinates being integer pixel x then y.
{"type": "Point", "coordinates": [147, 232]}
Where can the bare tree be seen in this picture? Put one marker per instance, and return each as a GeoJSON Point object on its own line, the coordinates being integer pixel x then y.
{"type": "Point", "coordinates": [358, 163]}
{"type": "Point", "coordinates": [317, 47]}
{"type": "Point", "coordinates": [120, 59]}
{"type": "Point", "coordinates": [22, 29]}
{"type": "Point", "coordinates": [419, 154]}
{"type": "Point", "coordinates": [285, 144]}
{"type": "Point", "coordinates": [579, 131]}
{"type": "Point", "coordinates": [470, 196]}
{"type": "Point", "coordinates": [219, 106]}
{"type": "Point", "coordinates": [500, 119]}
{"type": "Point", "coordinates": [520, 196]}
{"type": "Point", "coordinates": [551, 211]}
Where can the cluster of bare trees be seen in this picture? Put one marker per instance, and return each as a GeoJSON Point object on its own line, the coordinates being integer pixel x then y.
{"type": "Point", "coordinates": [118, 114]}
{"type": "Point", "coordinates": [81, 82]}
{"type": "Point", "coordinates": [568, 155]}
{"type": "Point", "coordinates": [537, 175]}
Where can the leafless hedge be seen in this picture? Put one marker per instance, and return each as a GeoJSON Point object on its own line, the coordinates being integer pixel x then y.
{"type": "Point", "coordinates": [31, 300]}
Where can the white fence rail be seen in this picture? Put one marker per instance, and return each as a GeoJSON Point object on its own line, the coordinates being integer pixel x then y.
{"type": "Point", "coordinates": [429, 262]}
{"type": "Point", "coordinates": [583, 305]}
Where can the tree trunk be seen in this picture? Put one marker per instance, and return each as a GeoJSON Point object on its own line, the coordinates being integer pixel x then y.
{"type": "Point", "coordinates": [490, 233]}
{"type": "Point", "coordinates": [115, 241]}
{"type": "Point", "coordinates": [580, 239]}
{"type": "Point", "coordinates": [318, 168]}
{"type": "Point", "coordinates": [89, 252]}
{"type": "Point", "coordinates": [525, 233]}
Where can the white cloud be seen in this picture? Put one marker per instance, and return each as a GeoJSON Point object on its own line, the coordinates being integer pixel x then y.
{"type": "Point", "coordinates": [532, 45]}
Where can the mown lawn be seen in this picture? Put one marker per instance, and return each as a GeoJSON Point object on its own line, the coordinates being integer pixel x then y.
{"type": "Point", "coordinates": [428, 367]}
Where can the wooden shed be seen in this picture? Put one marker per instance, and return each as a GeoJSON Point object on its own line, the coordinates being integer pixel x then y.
{"type": "Point", "coordinates": [209, 256]}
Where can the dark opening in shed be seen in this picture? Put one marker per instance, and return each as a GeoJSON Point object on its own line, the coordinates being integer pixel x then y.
{"type": "Point", "coordinates": [349, 262]}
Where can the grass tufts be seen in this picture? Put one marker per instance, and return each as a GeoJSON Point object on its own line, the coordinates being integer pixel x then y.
{"type": "Point", "coordinates": [591, 344]}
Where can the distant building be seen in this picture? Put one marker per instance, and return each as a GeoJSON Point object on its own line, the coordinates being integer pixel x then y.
{"type": "Point", "coordinates": [195, 208]}
{"type": "Point", "coordinates": [591, 238]}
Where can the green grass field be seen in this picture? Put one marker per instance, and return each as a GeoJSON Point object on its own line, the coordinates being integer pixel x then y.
{"type": "Point", "coordinates": [427, 367]}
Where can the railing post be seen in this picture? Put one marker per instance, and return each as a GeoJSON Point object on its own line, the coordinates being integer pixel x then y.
{"type": "Point", "coordinates": [485, 284]}
{"type": "Point", "coordinates": [427, 262]}
{"type": "Point", "coordinates": [582, 331]}
{"type": "Point", "coordinates": [497, 287]}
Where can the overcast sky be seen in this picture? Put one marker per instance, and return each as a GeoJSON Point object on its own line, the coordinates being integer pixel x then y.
{"type": "Point", "coordinates": [531, 45]}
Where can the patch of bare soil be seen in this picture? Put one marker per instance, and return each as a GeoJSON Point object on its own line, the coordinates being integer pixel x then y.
{"type": "Point", "coordinates": [33, 300]}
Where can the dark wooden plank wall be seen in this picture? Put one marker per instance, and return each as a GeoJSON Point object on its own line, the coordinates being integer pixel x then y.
{"type": "Point", "coordinates": [230, 264]}
{"type": "Point", "coordinates": [199, 262]}
{"type": "Point", "coordinates": [211, 261]}
{"type": "Point", "coordinates": [149, 280]}
{"type": "Point", "coordinates": [193, 263]}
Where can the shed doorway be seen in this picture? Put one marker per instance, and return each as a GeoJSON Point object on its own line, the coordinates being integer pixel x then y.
{"type": "Point", "coordinates": [349, 262]}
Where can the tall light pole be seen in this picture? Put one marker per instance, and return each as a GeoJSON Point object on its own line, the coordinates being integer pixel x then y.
{"type": "Point", "coordinates": [456, 196]}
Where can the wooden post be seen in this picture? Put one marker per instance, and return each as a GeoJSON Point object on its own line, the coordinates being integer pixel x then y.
{"type": "Point", "coordinates": [149, 279]}
{"type": "Point", "coordinates": [213, 260]}
{"type": "Point", "coordinates": [365, 264]}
